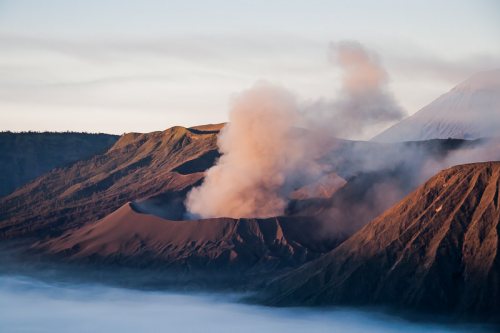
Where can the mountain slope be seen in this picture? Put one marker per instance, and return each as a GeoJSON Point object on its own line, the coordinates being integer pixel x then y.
{"type": "Point", "coordinates": [437, 250]}
{"type": "Point", "coordinates": [137, 166]}
{"type": "Point", "coordinates": [26, 156]}
{"type": "Point", "coordinates": [129, 237]}
{"type": "Point", "coordinates": [471, 110]}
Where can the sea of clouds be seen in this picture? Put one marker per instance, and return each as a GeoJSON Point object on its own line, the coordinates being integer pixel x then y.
{"type": "Point", "coordinates": [31, 305]}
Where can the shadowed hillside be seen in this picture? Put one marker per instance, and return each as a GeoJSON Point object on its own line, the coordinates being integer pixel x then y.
{"type": "Point", "coordinates": [25, 156]}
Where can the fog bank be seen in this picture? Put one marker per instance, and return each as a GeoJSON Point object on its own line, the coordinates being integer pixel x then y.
{"type": "Point", "coordinates": [28, 305]}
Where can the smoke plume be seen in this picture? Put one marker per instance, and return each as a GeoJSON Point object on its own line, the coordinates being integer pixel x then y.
{"type": "Point", "coordinates": [261, 153]}
{"type": "Point", "coordinates": [364, 100]}
{"type": "Point", "coordinates": [265, 156]}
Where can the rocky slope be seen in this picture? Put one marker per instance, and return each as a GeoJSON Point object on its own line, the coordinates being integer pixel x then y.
{"type": "Point", "coordinates": [437, 251]}
{"type": "Point", "coordinates": [471, 110]}
{"type": "Point", "coordinates": [128, 237]}
{"type": "Point", "coordinates": [25, 156]}
{"type": "Point", "coordinates": [136, 166]}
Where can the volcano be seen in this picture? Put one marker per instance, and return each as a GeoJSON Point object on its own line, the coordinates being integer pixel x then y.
{"type": "Point", "coordinates": [126, 206]}
{"type": "Point", "coordinates": [471, 110]}
{"type": "Point", "coordinates": [436, 250]}
{"type": "Point", "coordinates": [136, 166]}
{"type": "Point", "coordinates": [128, 237]}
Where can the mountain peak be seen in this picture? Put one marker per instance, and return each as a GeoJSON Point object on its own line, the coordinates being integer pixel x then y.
{"type": "Point", "coordinates": [471, 110]}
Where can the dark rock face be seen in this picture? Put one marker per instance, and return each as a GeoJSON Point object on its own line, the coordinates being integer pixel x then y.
{"type": "Point", "coordinates": [25, 156]}
{"type": "Point", "coordinates": [436, 251]}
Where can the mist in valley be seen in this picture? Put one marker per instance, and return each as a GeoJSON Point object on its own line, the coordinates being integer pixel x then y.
{"type": "Point", "coordinates": [71, 308]}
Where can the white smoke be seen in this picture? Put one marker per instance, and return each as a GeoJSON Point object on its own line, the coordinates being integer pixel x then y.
{"type": "Point", "coordinates": [261, 153]}
{"type": "Point", "coordinates": [264, 154]}
{"type": "Point", "coordinates": [364, 99]}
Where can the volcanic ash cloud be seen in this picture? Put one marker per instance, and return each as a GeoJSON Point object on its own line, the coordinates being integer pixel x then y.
{"type": "Point", "coordinates": [260, 150]}
{"type": "Point", "coordinates": [364, 100]}
{"type": "Point", "coordinates": [264, 154]}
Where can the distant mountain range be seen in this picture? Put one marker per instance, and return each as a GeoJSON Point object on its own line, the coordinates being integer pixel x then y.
{"type": "Point", "coordinates": [366, 232]}
{"type": "Point", "coordinates": [471, 110]}
{"type": "Point", "coordinates": [126, 206]}
{"type": "Point", "coordinates": [27, 155]}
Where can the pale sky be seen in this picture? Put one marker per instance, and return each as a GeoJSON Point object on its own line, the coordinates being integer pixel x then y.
{"type": "Point", "coordinates": [119, 66]}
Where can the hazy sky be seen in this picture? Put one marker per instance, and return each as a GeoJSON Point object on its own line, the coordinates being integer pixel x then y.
{"type": "Point", "coordinates": [120, 66]}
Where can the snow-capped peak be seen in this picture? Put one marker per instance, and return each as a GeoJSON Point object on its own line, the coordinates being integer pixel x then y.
{"type": "Point", "coordinates": [470, 110]}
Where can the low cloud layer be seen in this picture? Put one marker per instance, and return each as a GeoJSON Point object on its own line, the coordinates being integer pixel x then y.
{"type": "Point", "coordinates": [28, 305]}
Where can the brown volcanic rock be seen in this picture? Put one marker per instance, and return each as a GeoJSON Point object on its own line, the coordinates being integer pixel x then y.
{"type": "Point", "coordinates": [137, 166]}
{"type": "Point", "coordinates": [129, 237]}
{"type": "Point", "coordinates": [437, 250]}
{"type": "Point", "coordinates": [215, 128]}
